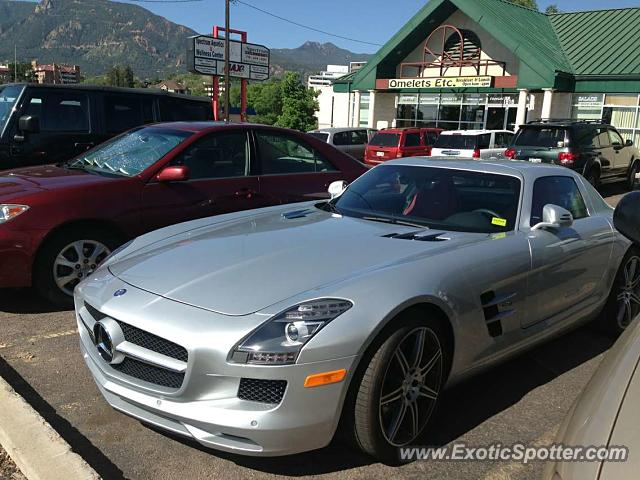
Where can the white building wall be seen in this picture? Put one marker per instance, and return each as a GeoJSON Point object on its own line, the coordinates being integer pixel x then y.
{"type": "Point", "coordinates": [334, 108]}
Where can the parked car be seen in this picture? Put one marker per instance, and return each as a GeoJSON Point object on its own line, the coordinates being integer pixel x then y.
{"type": "Point", "coordinates": [478, 144]}
{"type": "Point", "coordinates": [58, 222]}
{"type": "Point", "coordinates": [256, 333]}
{"type": "Point", "coordinates": [606, 413]}
{"type": "Point", "coordinates": [350, 140]}
{"type": "Point", "coordinates": [42, 124]}
{"type": "Point", "coordinates": [592, 148]}
{"type": "Point", "coordinates": [394, 143]}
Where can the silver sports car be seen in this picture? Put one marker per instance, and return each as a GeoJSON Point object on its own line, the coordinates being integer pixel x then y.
{"type": "Point", "coordinates": [258, 332]}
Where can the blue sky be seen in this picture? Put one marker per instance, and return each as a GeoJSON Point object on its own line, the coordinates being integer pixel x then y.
{"type": "Point", "coordinates": [372, 21]}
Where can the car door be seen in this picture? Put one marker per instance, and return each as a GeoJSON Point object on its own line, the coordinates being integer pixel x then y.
{"type": "Point", "coordinates": [359, 140]}
{"type": "Point", "coordinates": [342, 141]}
{"type": "Point", "coordinates": [65, 127]}
{"type": "Point", "coordinates": [567, 263]}
{"type": "Point", "coordinates": [501, 141]}
{"type": "Point", "coordinates": [219, 182]}
{"type": "Point", "coordinates": [607, 155]}
{"type": "Point", "coordinates": [413, 144]}
{"type": "Point", "coordinates": [291, 170]}
{"type": "Point", "coordinates": [621, 154]}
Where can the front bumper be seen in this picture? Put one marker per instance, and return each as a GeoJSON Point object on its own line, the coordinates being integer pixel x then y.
{"type": "Point", "coordinates": [206, 406]}
{"type": "Point", "coordinates": [17, 251]}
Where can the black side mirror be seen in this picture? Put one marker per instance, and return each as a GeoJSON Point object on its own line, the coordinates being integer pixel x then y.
{"type": "Point", "coordinates": [29, 124]}
{"type": "Point", "coordinates": [628, 143]}
{"type": "Point", "coordinates": [626, 217]}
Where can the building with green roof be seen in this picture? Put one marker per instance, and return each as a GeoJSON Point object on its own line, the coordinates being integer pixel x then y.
{"type": "Point", "coordinates": [472, 64]}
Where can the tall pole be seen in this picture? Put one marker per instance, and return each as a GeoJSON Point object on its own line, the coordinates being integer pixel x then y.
{"type": "Point", "coordinates": [15, 63]}
{"type": "Point", "coordinates": [227, 72]}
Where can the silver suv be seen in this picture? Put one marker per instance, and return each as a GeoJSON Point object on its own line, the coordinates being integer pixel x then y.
{"type": "Point", "coordinates": [349, 140]}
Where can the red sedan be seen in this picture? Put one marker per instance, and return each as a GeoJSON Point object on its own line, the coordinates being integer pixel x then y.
{"type": "Point", "coordinates": [58, 222]}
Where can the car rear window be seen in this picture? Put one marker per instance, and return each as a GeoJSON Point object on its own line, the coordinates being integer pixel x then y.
{"type": "Point", "coordinates": [320, 135]}
{"type": "Point", "coordinates": [385, 140]}
{"type": "Point", "coordinates": [549, 137]}
{"type": "Point", "coordinates": [457, 141]}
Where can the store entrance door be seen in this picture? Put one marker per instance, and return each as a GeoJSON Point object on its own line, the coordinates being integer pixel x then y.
{"type": "Point", "coordinates": [501, 118]}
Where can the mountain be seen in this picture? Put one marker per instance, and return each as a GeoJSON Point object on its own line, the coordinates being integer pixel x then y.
{"type": "Point", "coordinates": [97, 34]}
{"type": "Point", "coordinates": [313, 56]}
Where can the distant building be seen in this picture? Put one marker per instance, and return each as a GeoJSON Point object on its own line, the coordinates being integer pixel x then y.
{"type": "Point", "coordinates": [325, 79]}
{"type": "Point", "coordinates": [5, 74]}
{"type": "Point", "coordinates": [355, 66]}
{"type": "Point", "coordinates": [55, 73]}
{"type": "Point", "coordinates": [170, 86]}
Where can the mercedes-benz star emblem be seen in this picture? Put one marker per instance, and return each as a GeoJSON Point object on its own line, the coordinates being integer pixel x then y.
{"type": "Point", "coordinates": [107, 335]}
{"type": "Point", "coordinates": [119, 293]}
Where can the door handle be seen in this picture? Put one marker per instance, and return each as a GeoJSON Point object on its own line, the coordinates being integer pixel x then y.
{"type": "Point", "coordinates": [85, 146]}
{"type": "Point", "coordinates": [246, 192]}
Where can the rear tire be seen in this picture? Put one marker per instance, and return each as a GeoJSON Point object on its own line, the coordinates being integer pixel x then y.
{"type": "Point", "coordinates": [623, 304]}
{"type": "Point", "coordinates": [67, 258]}
{"type": "Point", "coordinates": [395, 395]}
{"type": "Point", "coordinates": [635, 168]}
{"type": "Point", "coordinates": [593, 177]}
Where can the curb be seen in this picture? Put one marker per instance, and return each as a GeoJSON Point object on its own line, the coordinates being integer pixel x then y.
{"type": "Point", "coordinates": [36, 448]}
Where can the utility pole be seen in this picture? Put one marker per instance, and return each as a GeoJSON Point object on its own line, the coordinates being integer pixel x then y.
{"type": "Point", "coordinates": [15, 63]}
{"type": "Point", "coordinates": [227, 72]}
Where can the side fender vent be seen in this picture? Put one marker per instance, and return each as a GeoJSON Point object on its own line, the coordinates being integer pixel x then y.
{"type": "Point", "coordinates": [296, 214]}
{"type": "Point", "coordinates": [496, 308]}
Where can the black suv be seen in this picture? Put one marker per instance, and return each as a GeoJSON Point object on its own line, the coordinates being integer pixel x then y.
{"type": "Point", "coordinates": [42, 124]}
{"type": "Point", "coordinates": [592, 148]}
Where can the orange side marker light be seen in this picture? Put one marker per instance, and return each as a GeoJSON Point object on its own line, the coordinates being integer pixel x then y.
{"type": "Point", "coordinates": [326, 378]}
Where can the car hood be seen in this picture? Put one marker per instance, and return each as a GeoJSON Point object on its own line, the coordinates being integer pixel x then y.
{"type": "Point", "coordinates": [28, 180]}
{"type": "Point", "coordinates": [251, 262]}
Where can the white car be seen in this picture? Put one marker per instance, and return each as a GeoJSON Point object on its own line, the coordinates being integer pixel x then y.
{"type": "Point", "coordinates": [478, 144]}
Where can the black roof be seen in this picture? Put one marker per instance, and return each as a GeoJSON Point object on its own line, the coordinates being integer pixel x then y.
{"type": "Point", "coordinates": [100, 88]}
{"type": "Point", "coordinates": [566, 122]}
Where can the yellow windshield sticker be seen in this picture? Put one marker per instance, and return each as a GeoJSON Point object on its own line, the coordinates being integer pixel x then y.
{"type": "Point", "coordinates": [500, 222]}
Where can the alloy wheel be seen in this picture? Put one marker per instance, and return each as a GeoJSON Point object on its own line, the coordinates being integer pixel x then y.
{"type": "Point", "coordinates": [629, 296]}
{"type": "Point", "coordinates": [76, 261]}
{"type": "Point", "coordinates": [411, 386]}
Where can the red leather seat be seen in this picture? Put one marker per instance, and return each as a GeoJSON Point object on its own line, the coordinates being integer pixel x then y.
{"type": "Point", "coordinates": [436, 203]}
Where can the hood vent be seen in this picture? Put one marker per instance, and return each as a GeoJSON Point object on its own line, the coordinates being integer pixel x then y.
{"type": "Point", "coordinates": [421, 236]}
{"type": "Point", "coordinates": [297, 214]}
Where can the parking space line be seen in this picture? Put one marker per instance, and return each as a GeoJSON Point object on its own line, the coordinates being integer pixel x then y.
{"type": "Point", "coordinates": [48, 336]}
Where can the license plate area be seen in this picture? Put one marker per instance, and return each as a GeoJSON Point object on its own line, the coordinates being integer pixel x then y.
{"type": "Point", "coordinates": [535, 160]}
{"type": "Point", "coordinates": [379, 154]}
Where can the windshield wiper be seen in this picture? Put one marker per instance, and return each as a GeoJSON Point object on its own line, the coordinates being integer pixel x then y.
{"type": "Point", "coordinates": [394, 221]}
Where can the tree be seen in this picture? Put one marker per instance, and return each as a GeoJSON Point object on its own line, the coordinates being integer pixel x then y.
{"type": "Point", "coordinates": [121, 76]}
{"type": "Point", "coordinates": [551, 9]}
{"type": "Point", "coordinates": [24, 71]}
{"type": "Point", "coordinates": [266, 99]}
{"type": "Point", "coordinates": [299, 104]}
{"type": "Point", "coordinates": [526, 3]}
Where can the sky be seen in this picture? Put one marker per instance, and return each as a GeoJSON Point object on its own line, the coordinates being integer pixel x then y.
{"type": "Point", "coordinates": [373, 21]}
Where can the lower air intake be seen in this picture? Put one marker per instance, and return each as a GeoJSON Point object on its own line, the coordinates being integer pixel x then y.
{"type": "Point", "coordinates": [263, 391]}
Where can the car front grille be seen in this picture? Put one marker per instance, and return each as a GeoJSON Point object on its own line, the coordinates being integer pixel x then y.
{"type": "Point", "coordinates": [142, 370]}
{"type": "Point", "coordinates": [263, 391]}
{"type": "Point", "coordinates": [149, 373]}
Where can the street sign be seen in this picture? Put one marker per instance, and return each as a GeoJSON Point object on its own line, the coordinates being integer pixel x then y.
{"type": "Point", "coordinates": [205, 55]}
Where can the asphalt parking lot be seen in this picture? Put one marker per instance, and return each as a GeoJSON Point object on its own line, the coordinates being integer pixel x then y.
{"type": "Point", "coordinates": [521, 401]}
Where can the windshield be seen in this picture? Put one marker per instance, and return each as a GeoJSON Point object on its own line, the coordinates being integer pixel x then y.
{"type": "Point", "coordinates": [8, 96]}
{"type": "Point", "coordinates": [131, 153]}
{"type": "Point", "coordinates": [541, 137]}
{"type": "Point", "coordinates": [385, 140]}
{"type": "Point", "coordinates": [467, 142]}
{"type": "Point", "coordinates": [439, 198]}
{"type": "Point", "coordinates": [320, 135]}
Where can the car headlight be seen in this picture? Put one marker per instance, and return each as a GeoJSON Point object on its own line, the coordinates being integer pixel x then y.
{"type": "Point", "coordinates": [7, 211]}
{"type": "Point", "coordinates": [279, 340]}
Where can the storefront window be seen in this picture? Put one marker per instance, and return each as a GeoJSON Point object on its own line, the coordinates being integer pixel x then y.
{"type": "Point", "coordinates": [365, 101]}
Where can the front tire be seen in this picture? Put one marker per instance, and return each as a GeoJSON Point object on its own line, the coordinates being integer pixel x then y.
{"type": "Point", "coordinates": [623, 304]}
{"type": "Point", "coordinates": [399, 389]}
{"type": "Point", "coordinates": [635, 168]}
{"type": "Point", "coordinates": [68, 258]}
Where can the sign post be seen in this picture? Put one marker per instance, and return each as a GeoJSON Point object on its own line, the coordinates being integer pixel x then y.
{"type": "Point", "coordinates": [247, 61]}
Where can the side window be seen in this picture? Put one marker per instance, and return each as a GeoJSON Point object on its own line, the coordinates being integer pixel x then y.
{"type": "Point", "coordinates": [412, 140]}
{"type": "Point", "coordinates": [587, 137]}
{"type": "Point", "coordinates": [616, 139]}
{"type": "Point", "coordinates": [60, 111]}
{"type": "Point", "coordinates": [341, 138]}
{"type": "Point", "coordinates": [502, 140]}
{"type": "Point", "coordinates": [359, 137]}
{"type": "Point", "coordinates": [281, 154]}
{"type": "Point", "coordinates": [219, 155]}
{"type": "Point", "coordinates": [176, 110]}
{"type": "Point", "coordinates": [603, 138]}
{"type": "Point", "coordinates": [124, 112]}
{"type": "Point", "coordinates": [560, 191]}
{"type": "Point", "coordinates": [484, 140]}
{"type": "Point", "coordinates": [430, 138]}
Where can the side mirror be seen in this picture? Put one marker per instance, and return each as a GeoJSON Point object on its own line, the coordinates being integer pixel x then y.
{"type": "Point", "coordinates": [337, 188]}
{"type": "Point", "coordinates": [628, 143]}
{"type": "Point", "coordinates": [554, 217]}
{"type": "Point", "coordinates": [29, 124]}
{"type": "Point", "coordinates": [177, 173]}
{"type": "Point", "coordinates": [626, 217]}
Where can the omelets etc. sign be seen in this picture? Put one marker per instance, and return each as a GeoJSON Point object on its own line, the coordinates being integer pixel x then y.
{"type": "Point", "coordinates": [440, 82]}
